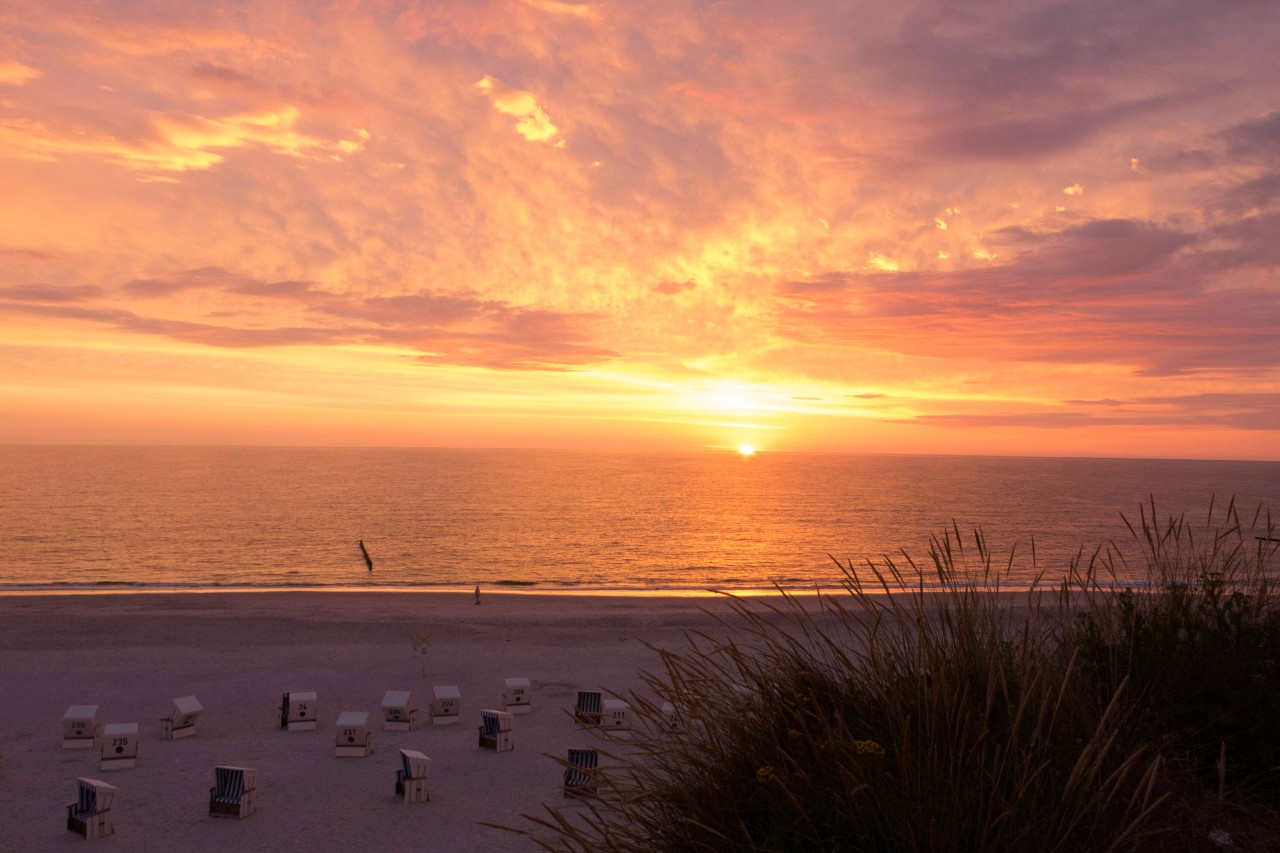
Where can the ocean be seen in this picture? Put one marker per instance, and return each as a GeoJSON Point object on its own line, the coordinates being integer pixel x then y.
{"type": "Point", "coordinates": [81, 518]}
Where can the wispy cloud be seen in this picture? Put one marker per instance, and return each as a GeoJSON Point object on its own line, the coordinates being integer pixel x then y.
{"type": "Point", "coordinates": [953, 215]}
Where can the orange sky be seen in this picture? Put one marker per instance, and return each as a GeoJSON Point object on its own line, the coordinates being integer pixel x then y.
{"type": "Point", "coordinates": [999, 228]}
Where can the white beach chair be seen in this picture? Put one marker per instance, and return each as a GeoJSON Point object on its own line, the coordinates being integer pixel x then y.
{"type": "Point", "coordinates": [517, 696]}
{"type": "Point", "coordinates": [580, 775]}
{"type": "Point", "coordinates": [495, 731]}
{"type": "Point", "coordinates": [411, 778]}
{"type": "Point", "coordinates": [352, 738]}
{"type": "Point", "coordinates": [588, 708]}
{"type": "Point", "coordinates": [90, 814]}
{"type": "Point", "coordinates": [80, 729]}
{"type": "Point", "coordinates": [397, 714]}
{"type": "Point", "coordinates": [446, 706]}
{"type": "Point", "coordinates": [298, 711]}
{"type": "Point", "coordinates": [232, 794]}
{"type": "Point", "coordinates": [182, 718]}
{"type": "Point", "coordinates": [670, 716]}
{"type": "Point", "coordinates": [615, 715]}
{"type": "Point", "coordinates": [119, 746]}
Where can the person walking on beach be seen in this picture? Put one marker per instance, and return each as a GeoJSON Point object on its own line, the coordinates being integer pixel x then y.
{"type": "Point", "coordinates": [477, 593]}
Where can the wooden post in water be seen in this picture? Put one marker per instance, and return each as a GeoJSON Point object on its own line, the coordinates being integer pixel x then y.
{"type": "Point", "coordinates": [367, 561]}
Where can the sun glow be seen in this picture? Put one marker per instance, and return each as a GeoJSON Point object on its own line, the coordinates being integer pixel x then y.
{"type": "Point", "coordinates": [746, 450]}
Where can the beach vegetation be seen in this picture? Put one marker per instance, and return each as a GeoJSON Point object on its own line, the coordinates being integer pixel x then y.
{"type": "Point", "coordinates": [1130, 703]}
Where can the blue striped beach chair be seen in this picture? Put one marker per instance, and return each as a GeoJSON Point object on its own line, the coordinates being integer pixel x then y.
{"type": "Point", "coordinates": [232, 792]}
{"type": "Point", "coordinates": [90, 814]}
{"type": "Point", "coordinates": [580, 775]}
{"type": "Point", "coordinates": [411, 778]}
{"type": "Point", "coordinates": [589, 708]}
{"type": "Point", "coordinates": [495, 731]}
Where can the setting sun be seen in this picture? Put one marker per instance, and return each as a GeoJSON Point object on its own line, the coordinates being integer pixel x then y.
{"type": "Point", "coordinates": [523, 260]}
{"type": "Point", "coordinates": [746, 450]}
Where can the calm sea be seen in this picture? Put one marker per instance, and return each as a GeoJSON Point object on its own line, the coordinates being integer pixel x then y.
{"type": "Point", "coordinates": [94, 518]}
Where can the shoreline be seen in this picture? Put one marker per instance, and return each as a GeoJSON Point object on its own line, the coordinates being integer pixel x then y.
{"type": "Point", "coordinates": [397, 590]}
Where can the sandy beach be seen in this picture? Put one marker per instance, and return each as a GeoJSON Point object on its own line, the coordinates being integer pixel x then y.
{"type": "Point", "coordinates": [238, 652]}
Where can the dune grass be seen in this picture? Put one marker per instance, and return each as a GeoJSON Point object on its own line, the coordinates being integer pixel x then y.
{"type": "Point", "coordinates": [1131, 704]}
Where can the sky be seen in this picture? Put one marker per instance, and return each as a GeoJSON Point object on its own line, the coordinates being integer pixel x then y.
{"type": "Point", "coordinates": [1007, 227]}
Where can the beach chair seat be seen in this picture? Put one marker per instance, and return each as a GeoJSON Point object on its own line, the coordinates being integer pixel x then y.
{"type": "Point", "coordinates": [232, 794]}
{"type": "Point", "coordinates": [588, 708]}
{"type": "Point", "coordinates": [411, 778]}
{"type": "Point", "coordinates": [397, 714]}
{"type": "Point", "coordinates": [580, 775]}
{"type": "Point", "coordinates": [182, 718]}
{"type": "Point", "coordinates": [119, 749]}
{"type": "Point", "coordinates": [298, 711]}
{"type": "Point", "coordinates": [90, 814]}
{"type": "Point", "coordinates": [495, 731]}
{"type": "Point", "coordinates": [446, 704]}
{"type": "Point", "coordinates": [80, 728]}
{"type": "Point", "coordinates": [517, 695]}
{"type": "Point", "coordinates": [352, 738]}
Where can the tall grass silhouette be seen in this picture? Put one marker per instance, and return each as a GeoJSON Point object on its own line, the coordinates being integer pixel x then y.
{"type": "Point", "coordinates": [1132, 702]}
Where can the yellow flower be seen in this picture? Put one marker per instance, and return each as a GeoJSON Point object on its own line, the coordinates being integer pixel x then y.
{"type": "Point", "coordinates": [766, 774]}
{"type": "Point", "coordinates": [869, 747]}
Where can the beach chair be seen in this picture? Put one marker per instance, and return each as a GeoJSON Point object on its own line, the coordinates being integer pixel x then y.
{"type": "Point", "coordinates": [232, 793]}
{"type": "Point", "coordinates": [587, 711]}
{"type": "Point", "coordinates": [80, 729]}
{"type": "Point", "coordinates": [352, 738]}
{"type": "Point", "coordinates": [517, 696]}
{"type": "Point", "coordinates": [446, 705]}
{"type": "Point", "coordinates": [615, 714]}
{"type": "Point", "coordinates": [411, 778]}
{"type": "Point", "coordinates": [580, 775]}
{"type": "Point", "coordinates": [397, 714]}
{"type": "Point", "coordinates": [119, 746]}
{"type": "Point", "coordinates": [670, 716]}
{"type": "Point", "coordinates": [495, 731]}
{"type": "Point", "coordinates": [90, 814]}
{"type": "Point", "coordinates": [181, 721]}
{"type": "Point", "coordinates": [298, 711]}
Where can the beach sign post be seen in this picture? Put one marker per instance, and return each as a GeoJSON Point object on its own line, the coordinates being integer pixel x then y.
{"type": "Point", "coordinates": [421, 643]}
{"type": "Point", "coordinates": [119, 746]}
